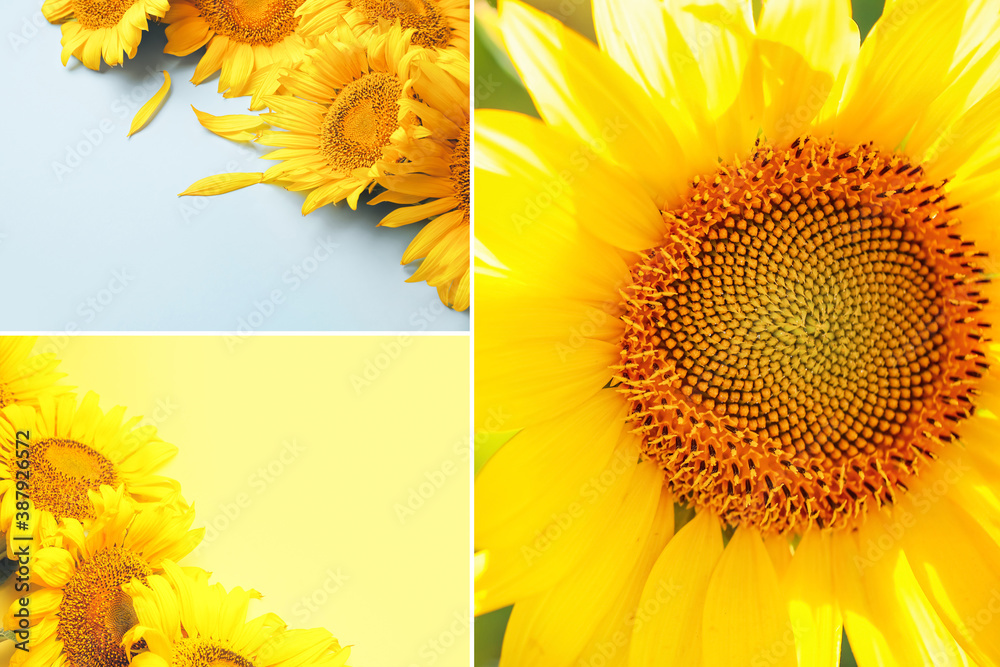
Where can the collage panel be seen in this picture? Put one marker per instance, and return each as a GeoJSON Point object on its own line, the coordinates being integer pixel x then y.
{"type": "Point", "coordinates": [735, 340]}
{"type": "Point", "coordinates": [289, 165]}
{"type": "Point", "coordinates": [277, 501]}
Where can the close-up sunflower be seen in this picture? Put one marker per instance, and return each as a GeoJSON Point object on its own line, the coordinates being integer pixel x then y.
{"type": "Point", "coordinates": [93, 30]}
{"type": "Point", "coordinates": [243, 39]}
{"type": "Point", "coordinates": [432, 179]}
{"type": "Point", "coordinates": [184, 621]}
{"type": "Point", "coordinates": [79, 611]}
{"type": "Point", "coordinates": [74, 449]}
{"type": "Point", "coordinates": [24, 377]}
{"type": "Point", "coordinates": [735, 297]}
{"type": "Point", "coordinates": [436, 24]}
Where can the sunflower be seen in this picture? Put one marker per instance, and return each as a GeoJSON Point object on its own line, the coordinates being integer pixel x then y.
{"type": "Point", "coordinates": [92, 29]}
{"type": "Point", "coordinates": [742, 267]}
{"type": "Point", "coordinates": [433, 176]}
{"type": "Point", "coordinates": [73, 450]}
{"type": "Point", "coordinates": [25, 377]}
{"type": "Point", "coordinates": [185, 622]}
{"type": "Point", "coordinates": [338, 117]}
{"type": "Point", "coordinates": [79, 612]}
{"type": "Point", "coordinates": [244, 37]}
{"type": "Point", "coordinates": [436, 24]}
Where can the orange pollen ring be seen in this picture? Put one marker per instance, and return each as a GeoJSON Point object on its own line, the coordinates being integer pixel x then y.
{"type": "Point", "coordinates": [96, 14]}
{"type": "Point", "coordinates": [809, 331]}
{"type": "Point", "coordinates": [254, 22]}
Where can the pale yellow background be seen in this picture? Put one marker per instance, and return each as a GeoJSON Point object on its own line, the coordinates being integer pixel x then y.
{"type": "Point", "coordinates": [328, 527]}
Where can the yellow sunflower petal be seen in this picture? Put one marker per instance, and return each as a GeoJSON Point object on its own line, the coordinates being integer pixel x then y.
{"type": "Point", "coordinates": [720, 35]}
{"type": "Point", "coordinates": [406, 215]}
{"type": "Point", "coordinates": [560, 373]}
{"type": "Point", "coordinates": [235, 127]}
{"type": "Point", "coordinates": [516, 494]}
{"type": "Point", "coordinates": [805, 47]}
{"type": "Point", "coordinates": [674, 596]}
{"type": "Point", "coordinates": [552, 629]}
{"type": "Point", "coordinates": [969, 149]}
{"type": "Point", "coordinates": [222, 183]}
{"type": "Point", "coordinates": [186, 36]}
{"type": "Point", "coordinates": [583, 93]}
{"type": "Point", "coordinates": [524, 568]}
{"type": "Point", "coordinates": [53, 566]}
{"type": "Point", "coordinates": [744, 604]}
{"type": "Point", "coordinates": [236, 69]}
{"type": "Point", "coordinates": [899, 72]}
{"type": "Point", "coordinates": [610, 205]}
{"type": "Point", "coordinates": [977, 80]}
{"type": "Point", "coordinates": [812, 607]}
{"type": "Point", "coordinates": [780, 550]}
{"type": "Point", "coordinates": [643, 37]}
{"type": "Point", "coordinates": [536, 216]}
{"type": "Point", "coordinates": [149, 109]}
{"type": "Point", "coordinates": [210, 63]}
{"type": "Point", "coordinates": [880, 629]}
{"type": "Point", "coordinates": [958, 567]}
{"type": "Point", "coordinates": [613, 636]}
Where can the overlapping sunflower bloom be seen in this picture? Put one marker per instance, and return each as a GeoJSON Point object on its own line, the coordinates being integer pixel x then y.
{"type": "Point", "coordinates": [743, 267]}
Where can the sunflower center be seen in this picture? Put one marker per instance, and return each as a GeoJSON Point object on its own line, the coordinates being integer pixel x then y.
{"type": "Point", "coordinates": [264, 22]}
{"type": "Point", "coordinates": [95, 613]}
{"type": "Point", "coordinates": [62, 472]}
{"type": "Point", "coordinates": [808, 332]}
{"type": "Point", "coordinates": [358, 124]}
{"type": "Point", "coordinates": [423, 16]}
{"type": "Point", "coordinates": [96, 14]}
{"type": "Point", "coordinates": [206, 653]}
{"type": "Point", "coordinates": [460, 169]}
{"type": "Point", "coordinates": [5, 396]}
